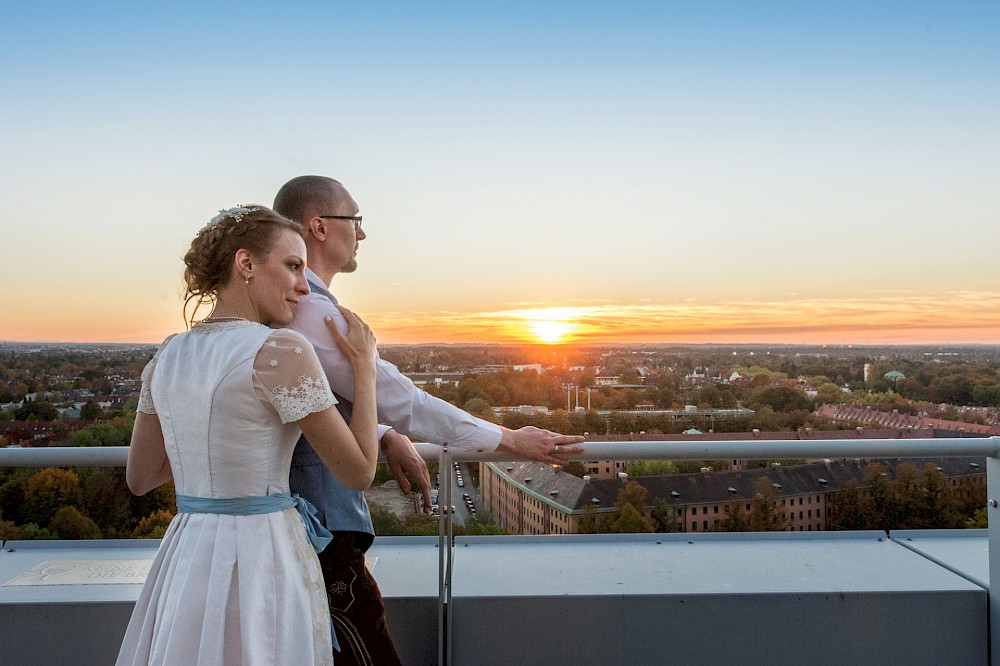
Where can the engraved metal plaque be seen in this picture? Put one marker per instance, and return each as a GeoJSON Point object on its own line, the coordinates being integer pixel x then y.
{"type": "Point", "coordinates": [85, 572]}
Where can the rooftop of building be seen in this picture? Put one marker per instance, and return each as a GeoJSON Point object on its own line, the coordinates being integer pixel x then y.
{"type": "Point", "coordinates": [831, 598]}
{"type": "Point", "coordinates": [778, 598]}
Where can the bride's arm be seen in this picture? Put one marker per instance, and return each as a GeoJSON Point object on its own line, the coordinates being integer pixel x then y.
{"type": "Point", "coordinates": [147, 466]}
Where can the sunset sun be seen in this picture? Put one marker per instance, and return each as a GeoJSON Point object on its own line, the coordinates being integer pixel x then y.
{"type": "Point", "coordinates": [551, 331]}
{"type": "Point", "coordinates": [551, 325]}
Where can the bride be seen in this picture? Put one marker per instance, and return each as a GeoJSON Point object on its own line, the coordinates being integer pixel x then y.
{"type": "Point", "coordinates": [236, 579]}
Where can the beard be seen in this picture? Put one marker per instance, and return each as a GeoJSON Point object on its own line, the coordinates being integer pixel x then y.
{"type": "Point", "coordinates": [350, 266]}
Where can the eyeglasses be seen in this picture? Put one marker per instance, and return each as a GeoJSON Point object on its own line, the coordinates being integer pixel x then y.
{"type": "Point", "coordinates": [356, 219]}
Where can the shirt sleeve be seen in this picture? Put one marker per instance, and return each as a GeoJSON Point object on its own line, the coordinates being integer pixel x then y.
{"type": "Point", "coordinates": [287, 368]}
{"type": "Point", "coordinates": [402, 405]}
{"type": "Point", "coordinates": [146, 405]}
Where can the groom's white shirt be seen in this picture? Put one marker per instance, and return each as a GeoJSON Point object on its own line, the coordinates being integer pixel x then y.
{"type": "Point", "coordinates": [402, 405]}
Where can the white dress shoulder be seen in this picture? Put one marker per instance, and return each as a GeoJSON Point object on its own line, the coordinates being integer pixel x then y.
{"type": "Point", "coordinates": [227, 589]}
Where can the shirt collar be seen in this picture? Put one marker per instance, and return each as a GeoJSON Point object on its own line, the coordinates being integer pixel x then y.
{"type": "Point", "coordinates": [316, 282]}
{"type": "Point", "coordinates": [312, 277]}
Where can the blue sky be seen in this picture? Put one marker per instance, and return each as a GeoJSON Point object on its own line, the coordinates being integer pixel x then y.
{"type": "Point", "coordinates": [751, 158]}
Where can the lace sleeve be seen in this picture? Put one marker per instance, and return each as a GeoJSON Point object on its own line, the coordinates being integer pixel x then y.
{"type": "Point", "coordinates": [293, 380]}
{"type": "Point", "coordinates": [145, 394]}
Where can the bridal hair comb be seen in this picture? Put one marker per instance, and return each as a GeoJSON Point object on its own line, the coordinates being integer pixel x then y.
{"type": "Point", "coordinates": [236, 212]}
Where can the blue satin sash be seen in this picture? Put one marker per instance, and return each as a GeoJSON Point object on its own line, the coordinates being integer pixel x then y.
{"type": "Point", "coordinates": [252, 506]}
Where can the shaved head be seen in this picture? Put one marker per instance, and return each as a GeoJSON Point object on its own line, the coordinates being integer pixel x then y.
{"type": "Point", "coordinates": [304, 196]}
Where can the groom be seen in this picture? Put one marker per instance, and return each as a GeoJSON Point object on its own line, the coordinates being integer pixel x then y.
{"type": "Point", "coordinates": [333, 232]}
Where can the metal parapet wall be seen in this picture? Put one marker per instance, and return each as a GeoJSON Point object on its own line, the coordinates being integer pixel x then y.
{"type": "Point", "coordinates": [777, 598]}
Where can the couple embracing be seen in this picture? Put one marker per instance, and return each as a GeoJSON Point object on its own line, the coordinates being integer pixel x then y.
{"type": "Point", "coordinates": [265, 414]}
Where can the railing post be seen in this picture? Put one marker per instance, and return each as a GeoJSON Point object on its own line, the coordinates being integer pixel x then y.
{"type": "Point", "coordinates": [992, 500]}
{"type": "Point", "coordinates": [449, 569]}
{"type": "Point", "coordinates": [445, 555]}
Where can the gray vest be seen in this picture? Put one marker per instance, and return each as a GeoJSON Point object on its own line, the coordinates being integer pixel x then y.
{"type": "Point", "coordinates": [340, 508]}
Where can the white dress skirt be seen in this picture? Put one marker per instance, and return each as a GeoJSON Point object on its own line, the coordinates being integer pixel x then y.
{"type": "Point", "coordinates": [225, 589]}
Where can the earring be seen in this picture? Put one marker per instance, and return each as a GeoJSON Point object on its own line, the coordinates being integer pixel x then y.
{"type": "Point", "coordinates": [246, 279]}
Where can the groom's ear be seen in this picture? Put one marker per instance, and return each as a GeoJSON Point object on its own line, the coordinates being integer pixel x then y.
{"type": "Point", "coordinates": [316, 227]}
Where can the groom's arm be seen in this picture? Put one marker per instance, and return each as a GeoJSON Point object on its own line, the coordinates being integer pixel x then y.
{"type": "Point", "coordinates": [408, 409]}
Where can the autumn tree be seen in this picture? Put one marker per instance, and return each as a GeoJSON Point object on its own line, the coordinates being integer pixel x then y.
{"type": "Point", "coordinates": [847, 510]}
{"type": "Point", "coordinates": [69, 523]}
{"type": "Point", "coordinates": [47, 491]}
{"type": "Point", "coordinates": [153, 526]}
{"type": "Point", "coordinates": [35, 411]}
{"type": "Point", "coordinates": [911, 500]}
{"type": "Point", "coordinates": [32, 531]}
{"type": "Point", "coordinates": [879, 509]}
{"type": "Point", "coordinates": [779, 398]}
{"type": "Point", "coordinates": [418, 524]}
{"type": "Point", "coordinates": [590, 522]}
{"type": "Point", "coordinates": [763, 516]}
{"type": "Point", "coordinates": [12, 492]}
{"type": "Point", "coordinates": [736, 519]}
{"type": "Point", "coordinates": [664, 516]}
{"type": "Point", "coordinates": [764, 513]}
{"type": "Point", "coordinates": [117, 432]}
{"type": "Point", "coordinates": [979, 520]}
{"type": "Point", "coordinates": [765, 420]}
{"type": "Point", "coordinates": [481, 408]}
{"type": "Point", "coordinates": [829, 393]}
{"type": "Point", "coordinates": [633, 515]}
{"type": "Point", "coordinates": [482, 524]}
{"type": "Point", "coordinates": [9, 531]}
{"type": "Point", "coordinates": [650, 468]}
{"type": "Point", "coordinates": [937, 505]}
{"type": "Point", "coordinates": [631, 521]}
{"type": "Point", "coordinates": [105, 496]}
{"type": "Point", "coordinates": [90, 411]}
{"type": "Point", "coordinates": [162, 498]}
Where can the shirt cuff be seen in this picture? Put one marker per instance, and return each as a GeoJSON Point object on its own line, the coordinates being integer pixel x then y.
{"type": "Point", "coordinates": [488, 436]}
{"type": "Point", "coordinates": [382, 429]}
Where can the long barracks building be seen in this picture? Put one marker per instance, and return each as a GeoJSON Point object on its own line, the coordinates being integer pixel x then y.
{"type": "Point", "coordinates": [532, 498]}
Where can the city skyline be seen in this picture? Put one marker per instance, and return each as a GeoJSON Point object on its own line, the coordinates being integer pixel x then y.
{"type": "Point", "coordinates": [650, 172]}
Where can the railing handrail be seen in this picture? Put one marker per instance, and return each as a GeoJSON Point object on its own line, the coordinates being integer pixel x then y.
{"type": "Point", "coordinates": [748, 449]}
{"type": "Point", "coordinates": [756, 449]}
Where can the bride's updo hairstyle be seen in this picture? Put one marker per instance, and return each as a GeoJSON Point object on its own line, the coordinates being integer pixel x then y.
{"type": "Point", "coordinates": [208, 263]}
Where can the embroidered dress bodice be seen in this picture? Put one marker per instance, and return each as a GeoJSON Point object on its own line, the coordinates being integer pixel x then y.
{"type": "Point", "coordinates": [226, 394]}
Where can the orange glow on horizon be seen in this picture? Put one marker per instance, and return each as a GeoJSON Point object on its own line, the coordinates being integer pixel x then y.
{"type": "Point", "coordinates": [952, 318]}
{"type": "Point", "coordinates": [965, 317]}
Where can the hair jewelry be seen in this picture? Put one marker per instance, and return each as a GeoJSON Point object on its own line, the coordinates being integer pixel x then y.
{"type": "Point", "coordinates": [236, 212]}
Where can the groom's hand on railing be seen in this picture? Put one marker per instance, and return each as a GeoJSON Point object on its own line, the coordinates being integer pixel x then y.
{"type": "Point", "coordinates": [539, 445]}
{"type": "Point", "coordinates": [404, 460]}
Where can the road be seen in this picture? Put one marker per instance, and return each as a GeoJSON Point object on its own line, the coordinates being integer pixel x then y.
{"type": "Point", "coordinates": [461, 511]}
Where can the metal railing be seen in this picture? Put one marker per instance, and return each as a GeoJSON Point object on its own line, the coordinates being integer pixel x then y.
{"type": "Point", "coordinates": [756, 449]}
